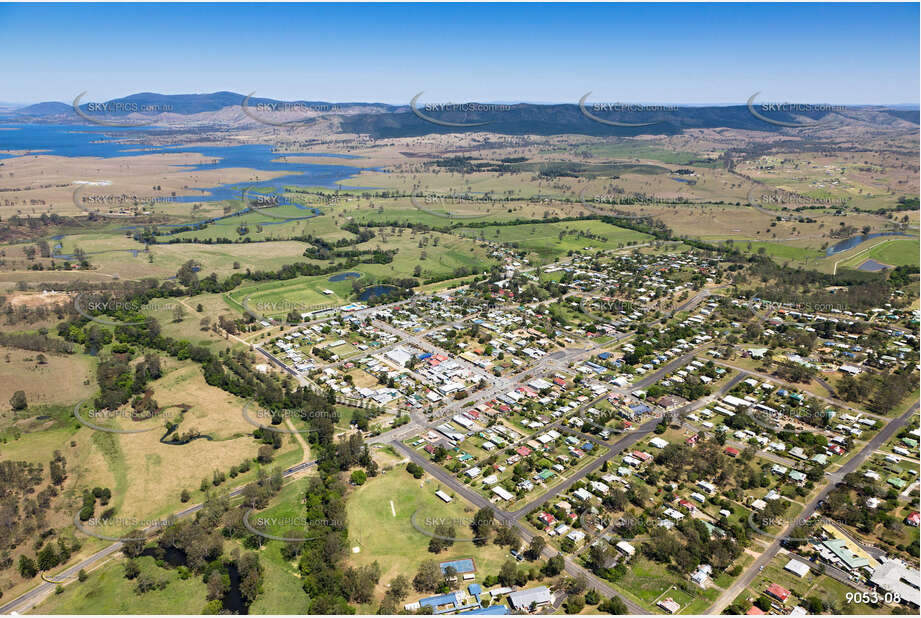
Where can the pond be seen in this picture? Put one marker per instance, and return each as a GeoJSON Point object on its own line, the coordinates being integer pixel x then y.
{"type": "Point", "coordinates": [872, 266]}
{"type": "Point", "coordinates": [853, 241]}
{"type": "Point", "coordinates": [344, 276]}
{"type": "Point", "coordinates": [373, 291]}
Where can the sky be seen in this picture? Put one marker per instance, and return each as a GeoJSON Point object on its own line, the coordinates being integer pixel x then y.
{"type": "Point", "coordinates": [651, 53]}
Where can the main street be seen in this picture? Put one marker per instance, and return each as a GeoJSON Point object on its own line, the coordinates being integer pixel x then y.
{"type": "Point", "coordinates": [514, 518]}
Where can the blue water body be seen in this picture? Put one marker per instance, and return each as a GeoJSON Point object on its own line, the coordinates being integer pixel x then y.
{"type": "Point", "coordinates": [344, 276]}
{"type": "Point", "coordinates": [684, 180]}
{"type": "Point", "coordinates": [853, 241]}
{"type": "Point", "coordinates": [872, 266]}
{"type": "Point", "coordinates": [83, 141]}
{"type": "Point", "coordinates": [373, 291]}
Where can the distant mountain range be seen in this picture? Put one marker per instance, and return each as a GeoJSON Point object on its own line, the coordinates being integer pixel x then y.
{"type": "Point", "coordinates": [387, 121]}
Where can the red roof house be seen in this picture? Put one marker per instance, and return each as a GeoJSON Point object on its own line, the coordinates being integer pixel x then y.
{"type": "Point", "coordinates": [778, 592]}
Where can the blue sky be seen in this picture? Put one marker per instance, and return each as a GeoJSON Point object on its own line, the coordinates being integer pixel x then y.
{"type": "Point", "coordinates": [676, 53]}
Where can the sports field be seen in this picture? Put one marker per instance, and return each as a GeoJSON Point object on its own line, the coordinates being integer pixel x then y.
{"type": "Point", "coordinates": [385, 530]}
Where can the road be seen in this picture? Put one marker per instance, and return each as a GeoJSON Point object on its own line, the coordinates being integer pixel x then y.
{"type": "Point", "coordinates": [30, 599]}
{"type": "Point", "coordinates": [852, 464]}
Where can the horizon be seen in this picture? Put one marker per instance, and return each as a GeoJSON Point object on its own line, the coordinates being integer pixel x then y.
{"type": "Point", "coordinates": [679, 103]}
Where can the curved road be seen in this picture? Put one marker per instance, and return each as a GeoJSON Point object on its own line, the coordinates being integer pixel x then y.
{"type": "Point", "coordinates": [34, 596]}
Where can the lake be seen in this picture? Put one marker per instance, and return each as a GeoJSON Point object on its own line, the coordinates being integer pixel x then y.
{"type": "Point", "coordinates": [853, 241]}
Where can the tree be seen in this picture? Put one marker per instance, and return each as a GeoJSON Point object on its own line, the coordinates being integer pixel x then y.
{"type": "Point", "coordinates": [213, 607]}
{"type": "Point", "coordinates": [614, 606]}
{"type": "Point", "coordinates": [399, 587]}
{"type": "Point", "coordinates": [131, 569]}
{"type": "Point", "coordinates": [218, 585]}
{"type": "Point", "coordinates": [27, 568]}
{"type": "Point", "coordinates": [575, 604]}
{"type": "Point", "coordinates": [554, 566]}
{"type": "Point", "coordinates": [508, 573]}
{"type": "Point", "coordinates": [18, 401]}
{"type": "Point", "coordinates": [47, 558]}
{"type": "Point", "coordinates": [482, 525]}
{"type": "Point", "coordinates": [428, 577]}
{"type": "Point", "coordinates": [359, 477]}
{"type": "Point", "coordinates": [134, 543]}
{"type": "Point", "coordinates": [265, 453]}
{"type": "Point", "coordinates": [535, 547]}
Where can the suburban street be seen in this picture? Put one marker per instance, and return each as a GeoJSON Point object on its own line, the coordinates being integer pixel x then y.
{"type": "Point", "coordinates": [852, 464]}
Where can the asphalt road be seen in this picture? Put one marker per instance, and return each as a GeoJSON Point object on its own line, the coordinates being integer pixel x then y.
{"type": "Point", "coordinates": [29, 599]}
{"type": "Point", "coordinates": [833, 479]}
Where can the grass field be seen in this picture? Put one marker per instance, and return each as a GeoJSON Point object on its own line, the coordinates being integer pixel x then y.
{"type": "Point", "coordinates": [21, 370]}
{"type": "Point", "coordinates": [106, 591]}
{"type": "Point", "coordinates": [391, 538]}
{"type": "Point", "coordinates": [892, 252]}
{"type": "Point", "coordinates": [276, 298]}
{"type": "Point", "coordinates": [545, 240]}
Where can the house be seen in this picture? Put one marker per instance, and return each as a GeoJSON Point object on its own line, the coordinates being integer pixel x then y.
{"type": "Point", "coordinates": [669, 605]}
{"type": "Point", "coordinates": [778, 592]}
{"type": "Point", "coordinates": [502, 493]}
{"type": "Point", "coordinates": [626, 548]}
{"type": "Point", "coordinates": [576, 536]}
{"type": "Point", "coordinates": [532, 597]}
{"type": "Point", "coordinates": [443, 496]}
{"type": "Point", "coordinates": [710, 488]}
{"type": "Point", "coordinates": [702, 574]}
{"type": "Point", "coordinates": [754, 610]}
{"type": "Point", "coordinates": [799, 568]}
{"type": "Point", "coordinates": [914, 519]}
{"type": "Point", "coordinates": [658, 442]}
{"type": "Point", "coordinates": [732, 452]}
